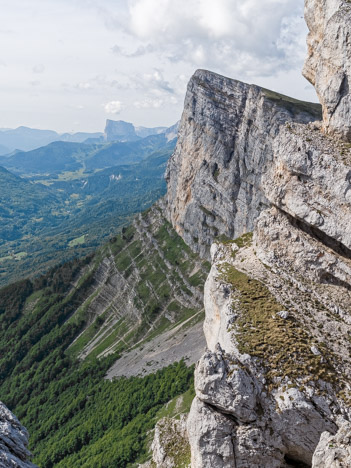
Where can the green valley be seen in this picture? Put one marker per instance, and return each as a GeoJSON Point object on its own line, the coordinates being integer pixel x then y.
{"type": "Point", "coordinates": [69, 211]}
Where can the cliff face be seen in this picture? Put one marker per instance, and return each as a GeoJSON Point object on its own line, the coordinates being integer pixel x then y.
{"type": "Point", "coordinates": [328, 65]}
{"type": "Point", "coordinates": [224, 146]}
{"type": "Point", "coordinates": [273, 388]}
{"type": "Point", "coordinates": [142, 295]}
{"type": "Point", "coordinates": [13, 441]}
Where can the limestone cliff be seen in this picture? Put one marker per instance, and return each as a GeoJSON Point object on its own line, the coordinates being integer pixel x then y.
{"type": "Point", "coordinates": [273, 389]}
{"type": "Point", "coordinates": [328, 65]}
{"type": "Point", "coordinates": [13, 441]}
{"type": "Point", "coordinates": [224, 146]}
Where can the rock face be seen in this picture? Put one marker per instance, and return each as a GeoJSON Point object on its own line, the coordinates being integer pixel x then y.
{"type": "Point", "coordinates": [118, 130]}
{"type": "Point", "coordinates": [328, 65]}
{"type": "Point", "coordinates": [266, 391]}
{"type": "Point", "coordinates": [334, 451]}
{"type": "Point", "coordinates": [140, 286]}
{"type": "Point", "coordinates": [170, 445]}
{"type": "Point", "coordinates": [273, 389]}
{"type": "Point", "coordinates": [224, 146]}
{"type": "Point", "coordinates": [13, 441]}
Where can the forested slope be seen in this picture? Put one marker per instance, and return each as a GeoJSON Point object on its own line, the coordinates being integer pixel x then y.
{"type": "Point", "coordinates": [76, 417]}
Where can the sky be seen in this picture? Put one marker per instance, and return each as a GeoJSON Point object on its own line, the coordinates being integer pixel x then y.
{"type": "Point", "coordinates": [68, 65]}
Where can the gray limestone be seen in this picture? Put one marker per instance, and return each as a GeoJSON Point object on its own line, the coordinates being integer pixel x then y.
{"type": "Point", "coordinates": [13, 441]}
{"type": "Point", "coordinates": [328, 64]}
{"type": "Point", "coordinates": [334, 451]}
{"type": "Point", "coordinates": [224, 146]}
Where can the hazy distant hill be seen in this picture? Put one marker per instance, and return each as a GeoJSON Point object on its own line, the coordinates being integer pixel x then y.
{"type": "Point", "coordinates": [4, 150]}
{"type": "Point", "coordinates": [55, 157]}
{"type": "Point", "coordinates": [64, 156]}
{"type": "Point", "coordinates": [119, 130]}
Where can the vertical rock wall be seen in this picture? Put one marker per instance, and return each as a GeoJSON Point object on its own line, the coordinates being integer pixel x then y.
{"type": "Point", "coordinates": [224, 146]}
{"type": "Point", "coordinates": [328, 64]}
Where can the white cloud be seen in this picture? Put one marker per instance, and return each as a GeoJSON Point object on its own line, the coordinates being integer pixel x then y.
{"type": "Point", "coordinates": [84, 86]}
{"type": "Point", "coordinates": [39, 68]}
{"type": "Point", "coordinates": [113, 107]}
{"type": "Point", "coordinates": [138, 51]}
{"type": "Point", "coordinates": [250, 37]}
{"type": "Point", "coordinates": [149, 103]}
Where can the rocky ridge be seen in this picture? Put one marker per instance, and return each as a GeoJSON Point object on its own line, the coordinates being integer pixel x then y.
{"type": "Point", "coordinates": [143, 300]}
{"type": "Point", "coordinates": [13, 441]}
{"type": "Point", "coordinates": [273, 389]}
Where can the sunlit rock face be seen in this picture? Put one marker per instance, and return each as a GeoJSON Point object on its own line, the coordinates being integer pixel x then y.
{"type": "Point", "coordinates": [328, 64]}
{"type": "Point", "coordinates": [13, 441]}
{"type": "Point", "coordinates": [334, 451]}
{"type": "Point", "coordinates": [224, 146]}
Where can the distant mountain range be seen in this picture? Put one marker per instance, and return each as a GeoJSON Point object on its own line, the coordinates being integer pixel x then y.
{"type": "Point", "coordinates": [27, 139]}
{"type": "Point", "coordinates": [63, 199]}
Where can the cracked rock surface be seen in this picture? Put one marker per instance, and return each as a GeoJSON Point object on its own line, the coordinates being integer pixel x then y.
{"type": "Point", "coordinates": [13, 441]}
{"type": "Point", "coordinates": [224, 146]}
{"type": "Point", "coordinates": [328, 64]}
{"type": "Point", "coordinates": [334, 451]}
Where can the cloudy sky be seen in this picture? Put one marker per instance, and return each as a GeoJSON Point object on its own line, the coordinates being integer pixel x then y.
{"type": "Point", "coordinates": [68, 65]}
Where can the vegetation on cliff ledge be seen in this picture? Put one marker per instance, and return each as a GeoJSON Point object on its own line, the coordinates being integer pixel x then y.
{"type": "Point", "coordinates": [281, 345]}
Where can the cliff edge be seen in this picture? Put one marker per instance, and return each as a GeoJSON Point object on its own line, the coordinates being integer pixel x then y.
{"type": "Point", "coordinates": [266, 180]}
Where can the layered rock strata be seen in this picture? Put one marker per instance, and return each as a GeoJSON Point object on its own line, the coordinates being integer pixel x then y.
{"type": "Point", "coordinates": [224, 146]}
{"type": "Point", "coordinates": [278, 319]}
{"type": "Point", "coordinates": [273, 388]}
{"type": "Point", "coordinates": [328, 65]}
{"type": "Point", "coordinates": [13, 441]}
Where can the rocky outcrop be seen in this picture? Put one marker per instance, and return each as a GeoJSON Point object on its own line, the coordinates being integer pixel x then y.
{"type": "Point", "coordinates": [273, 389]}
{"type": "Point", "coordinates": [118, 130]}
{"type": "Point", "coordinates": [334, 451]}
{"type": "Point", "coordinates": [270, 386]}
{"type": "Point", "coordinates": [170, 446]}
{"type": "Point", "coordinates": [328, 65]}
{"type": "Point", "coordinates": [277, 373]}
{"type": "Point", "coordinates": [310, 180]}
{"type": "Point", "coordinates": [13, 441]}
{"type": "Point", "coordinates": [224, 146]}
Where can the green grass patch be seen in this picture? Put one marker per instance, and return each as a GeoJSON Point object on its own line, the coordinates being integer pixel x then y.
{"type": "Point", "coordinates": [282, 346]}
{"type": "Point", "coordinates": [77, 241]}
{"type": "Point", "coordinates": [294, 106]}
